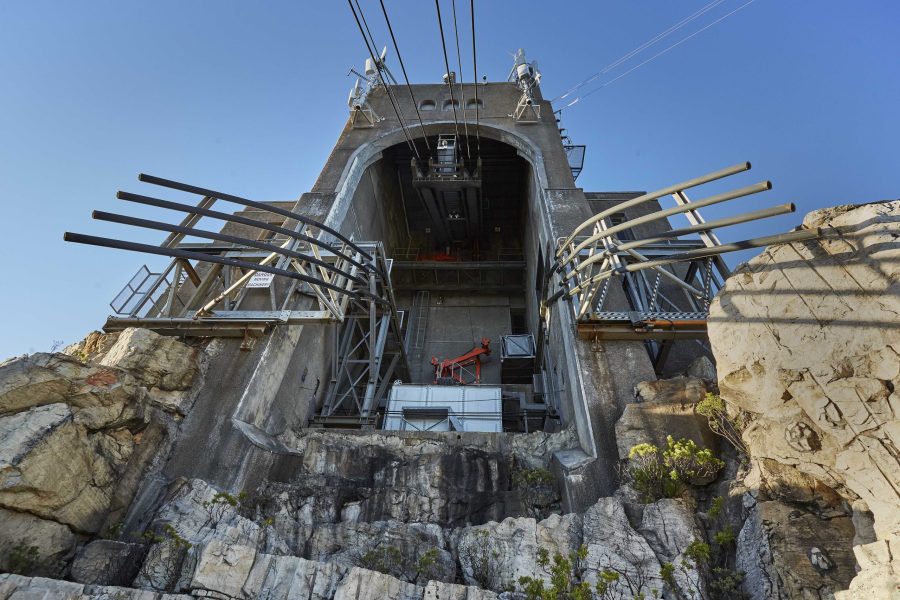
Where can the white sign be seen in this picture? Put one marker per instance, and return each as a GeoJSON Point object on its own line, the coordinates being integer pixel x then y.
{"type": "Point", "coordinates": [260, 280]}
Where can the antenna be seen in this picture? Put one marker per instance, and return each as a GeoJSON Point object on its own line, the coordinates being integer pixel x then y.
{"type": "Point", "coordinates": [527, 77]}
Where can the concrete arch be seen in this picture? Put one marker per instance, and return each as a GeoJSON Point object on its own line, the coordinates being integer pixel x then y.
{"type": "Point", "coordinates": [368, 153]}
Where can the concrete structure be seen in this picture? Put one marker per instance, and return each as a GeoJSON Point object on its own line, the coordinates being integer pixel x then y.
{"type": "Point", "coordinates": [455, 262]}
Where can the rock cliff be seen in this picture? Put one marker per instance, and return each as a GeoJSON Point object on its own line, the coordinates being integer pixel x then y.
{"type": "Point", "coordinates": [807, 342]}
{"type": "Point", "coordinates": [806, 339]}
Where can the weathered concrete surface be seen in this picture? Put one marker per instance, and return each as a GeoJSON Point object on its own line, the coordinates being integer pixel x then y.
{"type": "Point", "coordinates": [807, 341]}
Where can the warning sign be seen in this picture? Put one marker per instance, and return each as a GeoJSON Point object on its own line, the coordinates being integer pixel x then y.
{"type": "Point", "coordinates": [260, 280]}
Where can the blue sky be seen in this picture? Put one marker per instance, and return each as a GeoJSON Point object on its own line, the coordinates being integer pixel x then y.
{"type": "Point", "coordinates": [249, 97]}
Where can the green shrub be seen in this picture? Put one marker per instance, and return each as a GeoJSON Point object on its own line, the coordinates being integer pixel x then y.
{"type": "Point", "coordinates": [657, 474]}
{"type": "Point", "coordinates": [537, 490]}
{"type": "Point", "coordinates": [23, 559]}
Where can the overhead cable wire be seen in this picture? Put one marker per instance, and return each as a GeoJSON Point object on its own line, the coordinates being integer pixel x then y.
{"type": "Point", "coordinates": [377, 64]}
{"type": "Point", "coordinates": [702, 11]}
{"type": "Point", "coordinates": [380, 66]}
{"type": "Point", "coordinates": [658, 54]}
{"type": "Point", "coordinates": [405, 76]}
{"type": "Point", "coordinates": [475, 78]}
{"type": "Point", "coordinates": [437, 5]}
{"type": "Point", "coordinates": [462, 91]}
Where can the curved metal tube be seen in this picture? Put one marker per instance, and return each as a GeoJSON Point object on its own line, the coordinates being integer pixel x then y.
{"type": "Point", "coordinates": [782, 238]}
{"type": "Point", "coordinates": [91, 240]}
{"type": "Point", "coordinates": [159, 226]}
{"type": "Point", "coordinates": [662, 214]}
{"type": "Point", "coordinates": [738, 168]}
{"type": "Point", "coordinates": [187, 208]}
{"type": "Point", "coordinates": [184, 187]}
{"type": "Point", "coordinates": [726, 222]}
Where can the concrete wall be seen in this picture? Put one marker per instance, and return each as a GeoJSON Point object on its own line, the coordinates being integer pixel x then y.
{"type": "Point", "coordinates": [253, 396]}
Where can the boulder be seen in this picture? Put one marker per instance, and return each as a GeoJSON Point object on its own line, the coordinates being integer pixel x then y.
{"type": "Point", "coordinates": [93, 347]}
{"type": "Point", "coordinates": [18, 587]}
{"type": "Point", "coordinates": [33, 478]}
{"type": "Point", "coordinates": [158, 361]}
{"type": "Point", "coordinates": [360, 584]}
{"type": "Point", "coordinates": [390, 546]}
{"type": "Point", "coordinates": [613, 544]}
{"type": "Point", "coordinates": [787, 553]}
{"type": "Point", "coordinates": [222, 568]}
{"type": "Point", "coordinates": [290, 577]}
{"type": "Point", "coordinates": [52, 543]}
{"type": "Point", "coordinates": [665, 407]}
{"type": "Point", "coordinates": [100, 397]}
{"type": "Point", "coordinates": [107, 562]}
{"type": "Point", "coordinates": [669, 527]}
{"type": "Point", "coordinates": [495, 555]}
{"type": "Point", "coordinates": [702, 368]}
{"type": "Point", "coordinates": [437, 590]}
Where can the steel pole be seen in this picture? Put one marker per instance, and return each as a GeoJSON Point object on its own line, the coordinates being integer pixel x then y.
{"type": "Point", "coordinates": [188, 231]}
{"type": "Point", "coordinates": [738, 168]}
{"type": "Point", "coordinates": [662, 214]}
{"type": "Point", "coordinates": [184, 187]}
{"type": "Point", "coordinates": [727, 221]}
{"type": "Point", "coordinates": [214, 214]}
{"type": "Point", "coordinates": [91, 240]}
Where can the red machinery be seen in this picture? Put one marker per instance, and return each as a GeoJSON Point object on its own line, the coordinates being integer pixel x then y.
{"type": "Point", "coordinates": [451, 370]}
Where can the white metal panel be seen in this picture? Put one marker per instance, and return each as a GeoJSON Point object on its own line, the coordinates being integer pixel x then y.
{"type": "Point", "coordinates": [471, 408]}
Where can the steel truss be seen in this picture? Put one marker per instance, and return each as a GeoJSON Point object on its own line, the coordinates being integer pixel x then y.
{"type": "Point", "coordinates": [305, 271]}
{"type": "Point", "coordinates": [669, 282]}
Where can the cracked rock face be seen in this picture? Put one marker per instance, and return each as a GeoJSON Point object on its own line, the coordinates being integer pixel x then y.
{"type": "Point", "coordinates": [807, 340]}
{"type": "Point", "coordinates": [789, 553]}
{"type": "Point", "coordinates": [664, 407]}
{"type": "Point", "coordinates": [76, 437]}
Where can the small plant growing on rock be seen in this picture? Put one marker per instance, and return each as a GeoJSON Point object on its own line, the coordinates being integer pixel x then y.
{"type": "Point", "coordinates": [390, 560]}
{"type": "Point", "coordinates": [23, 559]}
{"type": "Point", "coordinates": [478, 552]}
{"type": "Point", "coordinates": [713, 408]}
{"type": "Point", "coordinates": [657, 474]}
{"type": "Point", "coordinates": [427, 567]}
{"type": "Point", "coordinates": [221, 503]}
{"type": "Point", "coordinates": [385, 559]}
{"type": "Point", "coordinates": [537, 490]}
{"type": "Point", "coordinates": [163, 562]}
{"type": "Point", "coordinates": [566, 577]}
{"type": "Point", "coordinates": [724, 581]}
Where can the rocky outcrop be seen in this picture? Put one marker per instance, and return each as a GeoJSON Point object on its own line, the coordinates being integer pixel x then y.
{"type": "Point", "coordinates": [52, 543]}
{"type": "Point", "coordinates": [51, 467]}
{"type": "Point", "coordinates": [807, 342]}
{"type": "Point", "coordinates": [787, 552]}
{"type": "Point", "coordinates": [107, 562]}
{"type": "Point", "coordinates": [664, 407]}
{"type": "Point", "coordinates": [463, 479]}
{"type": "Point", "coordinates": [76, 438]}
